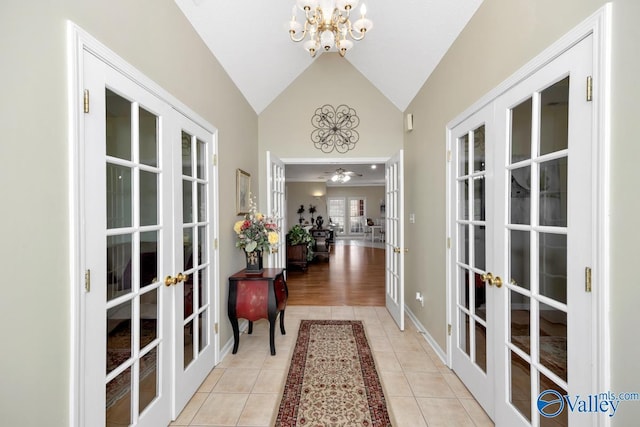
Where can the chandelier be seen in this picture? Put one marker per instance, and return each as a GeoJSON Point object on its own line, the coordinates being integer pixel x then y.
{"type": "Point", "coordinates": [327, 22]}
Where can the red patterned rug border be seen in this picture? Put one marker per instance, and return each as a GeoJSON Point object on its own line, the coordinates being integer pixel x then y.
{"type": "Point", "coordinates": [287, 414]}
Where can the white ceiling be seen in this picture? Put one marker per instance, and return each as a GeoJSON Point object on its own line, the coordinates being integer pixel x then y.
{"type": "Point", "coordinates": [323, 173]}
{"type": "Point", "coordinates": [250, 39]}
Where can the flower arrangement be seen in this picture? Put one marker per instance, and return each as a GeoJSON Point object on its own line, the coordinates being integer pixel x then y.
{"type": "Point", "coordinates": [256, 232]}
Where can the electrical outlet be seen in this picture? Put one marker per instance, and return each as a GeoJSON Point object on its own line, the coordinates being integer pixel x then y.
{"type": "Point", "coordinates": [420, 298]}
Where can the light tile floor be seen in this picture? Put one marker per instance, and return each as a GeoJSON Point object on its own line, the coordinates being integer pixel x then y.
{"type": "Point", "coordinates": [245, 388]}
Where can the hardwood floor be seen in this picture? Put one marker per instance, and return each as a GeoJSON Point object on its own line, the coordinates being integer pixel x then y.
{"type": "Point", "coordinates": [354, 276]}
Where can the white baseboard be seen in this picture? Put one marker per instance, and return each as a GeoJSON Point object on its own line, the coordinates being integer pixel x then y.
{"type": "Point", "coordinates": [427, 336]}
{"type": "Point", "coordinates": [228, 346]}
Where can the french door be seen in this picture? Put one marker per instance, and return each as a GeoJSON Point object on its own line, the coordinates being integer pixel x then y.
{"type": "Point", "coordinates": [474, 225]}
{"type": "Point", "coordinates": [277, 206]}
{"type": "Point", "coordinates": [394, 242]}
{"type": "Point", "coordinates": [522, 245]}
{"type": "Point", "coordinates": [544, 242]}
{"type": "Point", "coordinates": [148, 307]}
{"type": "Point", "coordinates": [195, 302]}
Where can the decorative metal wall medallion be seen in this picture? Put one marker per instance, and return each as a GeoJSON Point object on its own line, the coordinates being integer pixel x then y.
{"type": "Point", "coordinates": [335, 128]}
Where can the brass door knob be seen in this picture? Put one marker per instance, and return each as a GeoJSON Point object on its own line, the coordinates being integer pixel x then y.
{"type": "Point", "coordinates": [487, 277]}
{"type": "Point", "coordinates": [181, 278]}
{"type": "Point", "coordinates": [396, 250]}
{"type": "Point", "coordinates": [168, 281]}
{"type": "Point", "coordinates": [497, 281]}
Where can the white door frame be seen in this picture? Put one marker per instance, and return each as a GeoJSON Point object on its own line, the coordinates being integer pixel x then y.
{"type": "Point", "coordinates": [598, 25]}
{"type": "Point", "coordinates": [333, 162]}
{"type": "Point", "coordinates": [357, 160]}
{"type": "Point", "coordinates": [79, 41]}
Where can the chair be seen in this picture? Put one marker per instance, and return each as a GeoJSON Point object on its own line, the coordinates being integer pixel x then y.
{"type": "Point", "coordinates": [366, 228]}
{"type": "Point", "coordinates": [381, 233]}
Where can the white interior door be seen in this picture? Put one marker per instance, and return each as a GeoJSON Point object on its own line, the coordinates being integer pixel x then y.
{"type": "Point", "coordinates": [277, 207]}
{"type": "Point", "coordinates": [195, 287]}
{"type": "Point", "coordinates": [394, 253]}
{"type": "Point", "coordinates": [544, 243]}
{"type": "Point", "coordinates": [126, 330]}
{"type": "Point", "coordinates": [472, 302]}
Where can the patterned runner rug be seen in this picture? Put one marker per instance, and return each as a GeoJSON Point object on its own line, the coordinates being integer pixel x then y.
{"type": "Point", "coordinates": [332, 380]}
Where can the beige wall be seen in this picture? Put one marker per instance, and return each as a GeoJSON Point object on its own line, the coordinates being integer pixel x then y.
{"type": "Point", "coordinates": [35, 311]}
{"type": "Point", "coordinates": [501, 37]}
{"type": "Point", "coordinates": [305, 193]}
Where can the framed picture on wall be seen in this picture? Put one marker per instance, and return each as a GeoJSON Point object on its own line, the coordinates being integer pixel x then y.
{"type": "Point", "coordinates": [243, 191]}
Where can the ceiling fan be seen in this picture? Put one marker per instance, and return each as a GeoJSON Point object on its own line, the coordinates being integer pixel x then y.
{"type": "Point", "coordinates": [342, 175]}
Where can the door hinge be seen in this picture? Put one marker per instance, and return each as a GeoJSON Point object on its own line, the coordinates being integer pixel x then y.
{"type": "Point", "coordinates": [86, 100]}
{"type": "Point", "coordinates": [87, 280]}
{"type": "Point", "coordinates": [215, 327]}
{"type": "Point", "coordinates": [587, 279]}
{"type": "Point", "coordinates": [589, 88]}
{"type": "Point", "coordinates": [449, 329]}
{"type": "Point", "coordinates": [215, 160]}
{"type": "Point", "coordinates": [448, 242]}
{"type": "Point", "coordinates": [448, 155]}
{"type": "Point", "coordinates": [215, 243]}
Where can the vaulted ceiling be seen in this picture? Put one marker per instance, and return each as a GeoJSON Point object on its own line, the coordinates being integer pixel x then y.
{"type": "Point", "coordinates": [250, 39]}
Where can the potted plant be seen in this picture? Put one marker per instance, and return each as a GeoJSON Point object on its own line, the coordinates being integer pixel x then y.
{"type": "Point", "coordinates": [299, 247]}
{"type": "Point", "coordinates": [312, 210]}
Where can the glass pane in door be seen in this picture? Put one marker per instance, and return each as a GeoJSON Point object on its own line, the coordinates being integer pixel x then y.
{"type": "Point", "coordinates": [554, 121]}
{"type": "Point", "coordinates": [118, 126]}
{"type": "Point", "coordinates": [478, 149]}
{"type": "Point", "coordinates": [553, 340]}
{"type": "Point", "coordinates": [553, 193]}
{"type": "Point", "coordinates": [520, 206]}
{"type": "Point", "coordinates": [520, 384]}
{"type": "Point", "coordinates": [521, 120]}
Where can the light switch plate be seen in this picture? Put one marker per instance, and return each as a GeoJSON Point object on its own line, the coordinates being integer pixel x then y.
{"type": "Point", "coordinates": [412, 218]}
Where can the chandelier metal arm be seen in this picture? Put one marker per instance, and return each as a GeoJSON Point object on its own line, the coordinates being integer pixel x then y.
{"type": "Point", "coordinates": [354, 37]}
{"type": "Point", "coordinates": [302, 36]}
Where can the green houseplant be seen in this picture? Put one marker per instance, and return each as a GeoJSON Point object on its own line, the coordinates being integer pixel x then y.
{"type": "Point", "coordinates": [299, 246]}
{"type": "Point", "coordinates": [299, 235]}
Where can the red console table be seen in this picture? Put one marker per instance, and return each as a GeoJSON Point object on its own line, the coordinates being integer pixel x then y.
{"type": "Point", "coordinates": [257, 296]}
